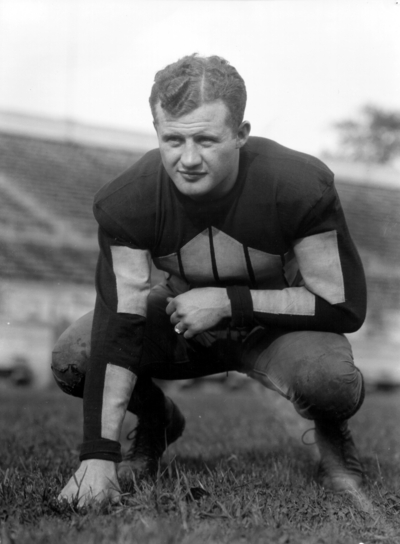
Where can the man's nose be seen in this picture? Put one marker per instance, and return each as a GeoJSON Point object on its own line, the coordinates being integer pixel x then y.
{"type": "Point", "coordinates": [190, 157]}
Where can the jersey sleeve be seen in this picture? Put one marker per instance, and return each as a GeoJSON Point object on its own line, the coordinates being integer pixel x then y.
{"type": "Point", "coordinates": [326, 288]}
{"type": "Point", "coordinates": [122, 286]}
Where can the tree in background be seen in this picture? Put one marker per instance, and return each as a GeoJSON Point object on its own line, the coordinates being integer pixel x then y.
{"type": "Point", "coordinates": [373, 137]}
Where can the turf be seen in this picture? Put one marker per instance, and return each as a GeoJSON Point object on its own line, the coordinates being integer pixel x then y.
{"type": "Point", "coordinates": [240, 474]}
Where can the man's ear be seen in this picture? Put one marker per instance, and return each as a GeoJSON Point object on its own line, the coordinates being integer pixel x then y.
{"type": "Point", "coordinates": [243, 134]}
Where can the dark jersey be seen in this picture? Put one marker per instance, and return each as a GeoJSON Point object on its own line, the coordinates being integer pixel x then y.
{"type": "Point", "coordinates": [280, 234]}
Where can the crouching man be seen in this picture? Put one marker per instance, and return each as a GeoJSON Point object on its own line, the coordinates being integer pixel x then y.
{"type": "Point", "coordinates": [261, 277]}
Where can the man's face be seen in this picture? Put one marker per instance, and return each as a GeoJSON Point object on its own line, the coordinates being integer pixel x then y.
{"type": "Point", "coordinates": [200, 151]}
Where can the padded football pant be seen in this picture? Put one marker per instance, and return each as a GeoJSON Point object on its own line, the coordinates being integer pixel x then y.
{"type": "Point", "coordinates": [314, 370]}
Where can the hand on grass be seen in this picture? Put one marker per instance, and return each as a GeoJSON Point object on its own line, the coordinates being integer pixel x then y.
{"type": "Point", "coordinates": [199, 309]}
{"type": "Point", "coordinates": [95, 480]}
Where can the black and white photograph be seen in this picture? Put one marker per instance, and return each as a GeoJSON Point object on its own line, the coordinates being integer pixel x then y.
{"type": "Point", "coordinates": [199, 271]}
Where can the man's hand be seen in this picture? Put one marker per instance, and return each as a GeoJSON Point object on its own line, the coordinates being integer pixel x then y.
{"type": "Point", "coordinates": [199, 309]}
{"type": "Point", "coordinates": [96, 480]}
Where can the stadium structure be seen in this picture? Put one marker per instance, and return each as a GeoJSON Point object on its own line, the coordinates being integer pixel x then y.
{"type": "Point", "coordinates": [49, 172]}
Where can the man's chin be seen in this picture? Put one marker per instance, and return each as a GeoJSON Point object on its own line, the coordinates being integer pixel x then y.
{"type": "Point", "coordinates": [197, 190]}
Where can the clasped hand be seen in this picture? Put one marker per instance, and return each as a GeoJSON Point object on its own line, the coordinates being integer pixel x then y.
{"type": "Point", "coordinates": [199, 309]}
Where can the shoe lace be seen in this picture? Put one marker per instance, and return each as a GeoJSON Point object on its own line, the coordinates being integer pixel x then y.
{"type": "Point", "coordinates": [148, 439]}
{"type": "Point", "coordinates": [303, 436]}
{"type": "Point", "coordinates": [131, 435]}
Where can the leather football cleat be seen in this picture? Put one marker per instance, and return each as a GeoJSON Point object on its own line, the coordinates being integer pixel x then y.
{"type": "Point", "coordinates": [340, 468]}
{"type": "Point", "coordinates": [151, 437]}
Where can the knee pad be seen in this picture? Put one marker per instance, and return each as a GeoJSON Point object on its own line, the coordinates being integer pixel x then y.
{"type": "Point", "coordinates": [69, 360]}
{"type": "Point", "coordinates": [328, 388]}
{"type": "Point", "coordinates": [70, 380]}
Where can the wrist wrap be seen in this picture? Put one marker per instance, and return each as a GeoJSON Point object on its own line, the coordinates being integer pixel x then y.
{"type": "Point", "coordinates": [242, 306]}
{"type": "Point", "coordinates": [103, 448]}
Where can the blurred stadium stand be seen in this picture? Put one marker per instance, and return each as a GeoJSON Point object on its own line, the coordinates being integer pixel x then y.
{"type": "Point", "coordinates": [49, 173]}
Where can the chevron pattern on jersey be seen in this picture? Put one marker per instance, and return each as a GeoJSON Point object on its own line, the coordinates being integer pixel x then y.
{"type": "Point", "coordinates": [213, 257]}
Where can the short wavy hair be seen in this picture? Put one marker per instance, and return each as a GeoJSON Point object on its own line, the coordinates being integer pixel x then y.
{"type": "Point", "coordinates": [185, 85]}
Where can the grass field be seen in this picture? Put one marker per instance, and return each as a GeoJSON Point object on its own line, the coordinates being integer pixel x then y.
{"type": "Point", "coordinates": [240, 474]}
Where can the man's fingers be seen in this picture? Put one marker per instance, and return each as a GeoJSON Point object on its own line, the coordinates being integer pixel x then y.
{"type": "Point", "coordinates": [74, 493]}
{"type": "Point", "coordinates": [170, 309]}
{"type": "Point", "coordinates": [72, 497]}
{"type": "Point", "coordinates": [82, 499]}
{"type": "Point", "coordinates": [174, 318]}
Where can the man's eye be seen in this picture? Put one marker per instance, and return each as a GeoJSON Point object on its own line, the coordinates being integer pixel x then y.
{"type": "Point", "coordinates": [174, 141]}
{"type": "Point", "coordinates": [207, 141]}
